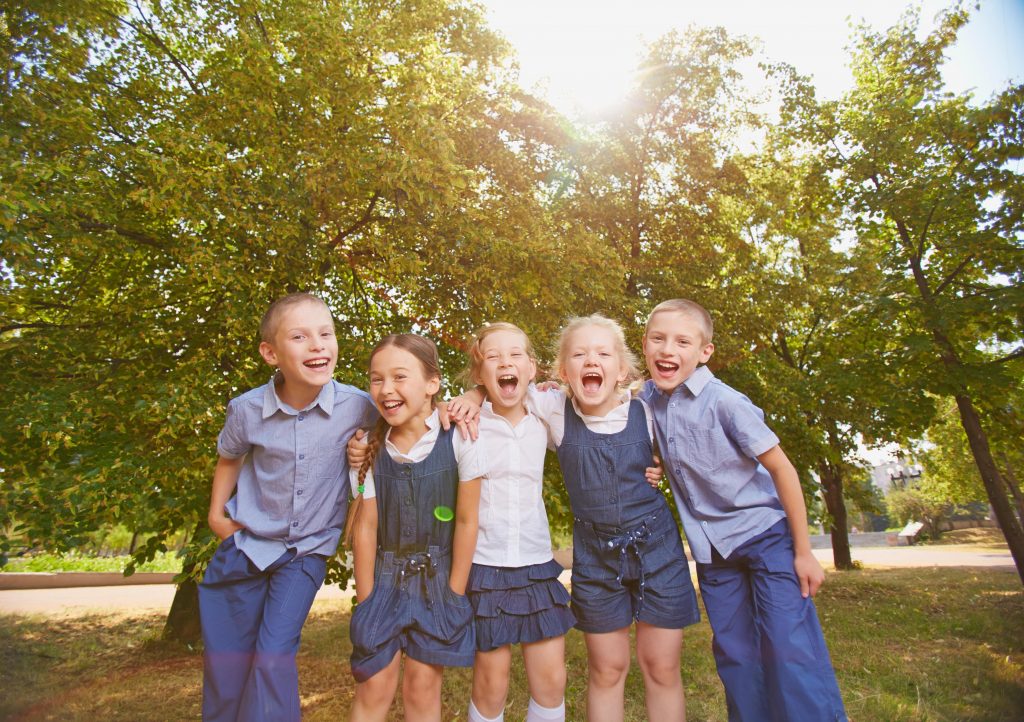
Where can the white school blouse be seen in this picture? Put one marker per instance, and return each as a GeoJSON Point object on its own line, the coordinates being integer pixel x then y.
{"type": "Point", "coordinates": [513, 522]}
{"type": "Point", "coordinates": [467, 454]}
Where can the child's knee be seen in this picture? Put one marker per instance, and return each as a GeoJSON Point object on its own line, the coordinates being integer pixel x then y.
{"type": "Point", "coordinates": [608, 672]}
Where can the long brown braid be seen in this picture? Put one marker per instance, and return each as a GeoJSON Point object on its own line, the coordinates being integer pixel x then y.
{"type": "Point", "coordinates": [426, 353]}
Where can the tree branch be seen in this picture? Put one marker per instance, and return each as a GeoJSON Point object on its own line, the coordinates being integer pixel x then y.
{"type": "Point", "coordinates": [953, 274]}
{"type": "Point", "coordinates": [366, 219]}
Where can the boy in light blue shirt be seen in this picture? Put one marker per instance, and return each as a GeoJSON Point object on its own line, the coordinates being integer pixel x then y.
{"type": "Point", "coordinates": [282, 454]}
{"type": "Point", "coordinates": [743, 511]}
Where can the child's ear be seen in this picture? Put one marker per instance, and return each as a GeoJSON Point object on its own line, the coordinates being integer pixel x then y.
{"type": "Point", "coordinates": [433, 386]}
{"type": "Point", "coordinates": [533, 371]}
{"type": "Point", "coordinates": [706, 352]}
{"type": "Point", "coordinates": [268, 353]}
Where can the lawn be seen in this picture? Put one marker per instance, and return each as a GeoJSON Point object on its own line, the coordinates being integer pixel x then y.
{"type": "Point", "coordinates": [908, 644]}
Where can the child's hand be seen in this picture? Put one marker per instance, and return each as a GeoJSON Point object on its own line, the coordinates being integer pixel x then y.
{"type": "Point", "coordinates": [654, 473]}
{"type": "Point", "coordinates": [356, 449]}
{"type": "Point", "coordinates": [223, 526]}
{"type": "Point", "coordinates": [463, 412]}
{"type": "Point", "coordinates": [809, 572]}
{"type": "Point", "coordinates": [548, 386]}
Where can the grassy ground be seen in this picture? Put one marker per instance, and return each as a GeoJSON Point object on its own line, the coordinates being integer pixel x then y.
{"type": "Point", "coordinates": [72, 562]}
{"type": "Point", "coordinates": [914, 645]}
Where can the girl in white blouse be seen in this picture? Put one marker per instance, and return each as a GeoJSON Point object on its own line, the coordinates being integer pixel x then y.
{"type": "Point", "coordinates": [513, 583]}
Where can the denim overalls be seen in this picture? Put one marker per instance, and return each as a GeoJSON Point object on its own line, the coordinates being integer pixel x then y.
{"type": "Point", "coordinates": [411, 606]}
{"type": "Point", "coordinates": [628, 560]}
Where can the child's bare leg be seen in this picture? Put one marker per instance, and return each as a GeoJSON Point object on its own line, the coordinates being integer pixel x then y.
{"type": "Point", "coordinates": [490, 680]}
{"type": "Point", "coordinates": [657, 652]}
{"type": "Point", "coordinates": [421, 691]}
{"type": "Point", "coordinates": [545, 670]}
{"type": "Point", "coordinates": [608, 664]}
{"type": "Point", "coordinates": [374, 696]}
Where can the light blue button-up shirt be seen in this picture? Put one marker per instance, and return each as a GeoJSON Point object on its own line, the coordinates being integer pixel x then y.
{"type": "Point", "coordinates": [710, 436]}
{"type": "Point", "coordinates": [292, 490]}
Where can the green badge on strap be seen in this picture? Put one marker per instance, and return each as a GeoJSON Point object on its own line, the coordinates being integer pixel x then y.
{"type": "Point", "coordinates": [443, 513]}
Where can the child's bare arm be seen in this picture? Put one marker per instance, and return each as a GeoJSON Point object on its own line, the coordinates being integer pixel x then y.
{"type": "Point", "coordinates": [466, 525]}
{"type": "Point", "coordinates": [787, 484]}
{"type": "Point", "coordinates": [225, 477]}
{"type": "Point", "coordinates": [364, 547]}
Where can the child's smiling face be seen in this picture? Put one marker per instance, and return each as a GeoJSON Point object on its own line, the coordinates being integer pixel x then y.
{"type": "Point", "coordinates": [304, 347]}
{"type": "Point", "coordinates": [400, 388]}
{"type": "Point", "coordinates": [674, 345]}
{"type": "Point", "coordinates": [594, 369]}
{"type": "Point", "coordinates": [506, 369]}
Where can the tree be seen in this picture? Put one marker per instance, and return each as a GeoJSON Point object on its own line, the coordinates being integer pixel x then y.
{"type": "Point", "coordinates": [170, 167]}
{"type": "Point", "coordinates": [935, 202]}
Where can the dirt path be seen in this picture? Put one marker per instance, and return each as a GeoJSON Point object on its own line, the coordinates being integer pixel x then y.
{"type": "Point", "coordinates": [157, 597]}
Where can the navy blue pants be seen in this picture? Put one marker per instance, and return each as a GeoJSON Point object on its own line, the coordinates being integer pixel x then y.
{"type": "Point", "coordinates": [768, 645]}
{"type": "Point", "coordinates": [252, 621]}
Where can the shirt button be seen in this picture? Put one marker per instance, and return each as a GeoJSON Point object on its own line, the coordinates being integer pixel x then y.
{"type": "Point", "coordinates": [703, 523]}
{"type": "Point", "coordinates": [298, 492]}
{"type": "Point", "coordinates": [672, 439]}
{"type": "Point", "coordinates": [673, 404]}
{"type": "Point", "coordinates": [301, 417]}
{"type": "Point", "coordinates": [302, 456]}
{"type": "Point", "coordinates": [295, 523]}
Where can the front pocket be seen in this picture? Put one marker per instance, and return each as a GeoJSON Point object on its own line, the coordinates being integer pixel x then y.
{"type": "Point", "coordinates": [704, 449]}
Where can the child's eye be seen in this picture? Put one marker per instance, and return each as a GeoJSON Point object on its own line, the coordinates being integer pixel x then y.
{"type": "Point", "coordinates": [399, 377]}
{"type": "Point", "coordinates": [298, 337]}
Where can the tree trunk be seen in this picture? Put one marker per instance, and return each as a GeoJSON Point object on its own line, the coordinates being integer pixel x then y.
{"type": "Point", "coordinates": [182, 623]}
{"type": "Point", "coordinates": [832, 482]}
{"type": "Point", "coordinates": [992, 480]}
{"type": "Point", "coordinates": [1014, 486]}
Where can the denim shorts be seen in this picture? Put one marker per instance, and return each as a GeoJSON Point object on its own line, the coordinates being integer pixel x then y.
{"type": "Point", "coordinates": [622, 574]}
{"type": "Point", "coordinates": [412, 609]}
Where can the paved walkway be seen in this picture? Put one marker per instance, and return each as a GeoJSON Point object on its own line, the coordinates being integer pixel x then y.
{"type": "Point", "coordinates": [157, 597]}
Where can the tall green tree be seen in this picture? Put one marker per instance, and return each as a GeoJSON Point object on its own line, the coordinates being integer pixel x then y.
{"type": "Point", "coordinates": [169, 167]}
{"type": "Point", "coordinates": [815, 366]}
{"type": "Point", "coordinates": [934, 199]}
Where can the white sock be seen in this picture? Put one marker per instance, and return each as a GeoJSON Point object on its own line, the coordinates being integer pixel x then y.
{"type": "Point", "coordinates": [475, 716]}
{"type": "Point", "coordinates": [536, 713]}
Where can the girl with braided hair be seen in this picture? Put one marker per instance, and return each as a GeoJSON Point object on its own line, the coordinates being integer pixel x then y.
{"type": "Point", "coordinates": [413, 538]}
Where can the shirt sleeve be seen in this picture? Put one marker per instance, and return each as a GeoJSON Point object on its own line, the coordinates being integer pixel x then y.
{"type": "Point", "coordinates": [470, 457]}
{"type": "Point", "coordinates": [744, 423]}
{"type": "Point", "coordinates": [549, 407]}
{"type": "Point", "coordinates": [650, 418]}
{"type": "Point", "coordinates": [369, 490]}
{"type": "Point", "coordinates": [232, 442]}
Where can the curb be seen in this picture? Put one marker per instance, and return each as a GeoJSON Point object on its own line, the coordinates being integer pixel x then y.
{"type": "Point", "coordinates": [63, 580]}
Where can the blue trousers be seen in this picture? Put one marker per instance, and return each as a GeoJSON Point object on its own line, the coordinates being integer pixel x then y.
{"type": "Point", "coordinates": [252, 620]}
{"type": "Point", "coordinates": [768, 645]}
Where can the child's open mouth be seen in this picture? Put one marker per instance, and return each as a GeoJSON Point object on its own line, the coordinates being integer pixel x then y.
{"type": "Point", "coordinates": [665, 367]}
{"type": "Point", "coordinates": [508, 384]}
{"type": "Point", "coordinates": [391, 404]}
{"type": "Point", "coordinates": [317, 363]}
{"type": "Point", "coordinates": [591, 382]}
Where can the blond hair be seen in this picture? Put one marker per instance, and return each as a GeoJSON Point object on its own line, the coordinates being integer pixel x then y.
{"type": "Point", "coordinates": [626, 357]}
{"type": "Point", "coordinates": [272, 317]}
{"type": "Point", "coordinates": [690, 308]}
{"type": "Point", "coordinates": [476, 356]}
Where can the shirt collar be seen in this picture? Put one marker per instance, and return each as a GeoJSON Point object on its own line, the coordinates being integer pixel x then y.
{"type": "Point", "coordinates": [272, 404]}
{"type": "Point", "coordinates": [433, 424]}
{"type": "Point", "coordinates": [620, 410]}
{"type": "Point", "coordinates": [700, 378]}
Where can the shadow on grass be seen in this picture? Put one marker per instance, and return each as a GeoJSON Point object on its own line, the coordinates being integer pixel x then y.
{"type": "Point", "coordinates": [913, 645]}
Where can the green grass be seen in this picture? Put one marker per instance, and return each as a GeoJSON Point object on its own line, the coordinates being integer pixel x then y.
{"type": "Point", "coordinates": [909, 645]}
{"type": "Point", "coordinates": [72, 562]}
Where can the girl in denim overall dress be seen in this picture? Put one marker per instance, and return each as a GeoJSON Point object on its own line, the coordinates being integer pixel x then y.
{"type": "Point", "coordinates": [513, 585]}
{"type": "Point", "coordinates": [413, 539]}
{"type": "Point", "coordinates": [628, 560]}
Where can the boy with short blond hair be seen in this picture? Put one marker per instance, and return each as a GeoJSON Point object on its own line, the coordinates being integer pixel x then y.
{"type": "Point", "coordinates": [282, 456]}
{"type": "Point", "coordinates": [743, 512]}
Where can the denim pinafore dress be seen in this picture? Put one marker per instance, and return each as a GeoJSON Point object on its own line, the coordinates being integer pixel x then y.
{"type": "Point", "coordinates": [628, 559]}
{"type": "Point", "coordinates": [411, 607]}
